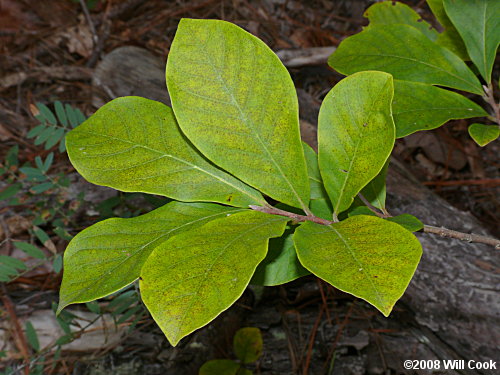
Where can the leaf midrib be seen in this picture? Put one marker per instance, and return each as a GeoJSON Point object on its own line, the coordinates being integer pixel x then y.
{"type": "Point", "coordinates": [416, 61]}
{"type": "Point", "coordinates": [164, 154]}
{"type": "Point", "coordinates": [209, 269]}
{"type": "Point", "coordinates": [250, 124]}
{"type": "Point", "coordinates": [141, 248]}
{"type": "Point", "coordinates": [361, 265]}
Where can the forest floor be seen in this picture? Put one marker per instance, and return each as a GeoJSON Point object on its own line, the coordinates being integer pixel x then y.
{"type": "Point", "coordinates": [49, 50]}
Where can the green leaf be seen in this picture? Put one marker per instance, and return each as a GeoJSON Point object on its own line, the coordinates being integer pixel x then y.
{"type": "Point", "coordinates": [478, 23]}
{"type": "Point", "coordinates": [40, 188]}
{"type": "Point", "coordinates": [193, 277]}
{"type": "Point", "coordinates": [322, 208]}
{"type": "Point", "coordinates": [391, 12]}
{"type": "Point", "coordinates": [236, 102]}
{"type": "Point", "coordinates": [45, 135]}
{"type": "Point", "coordinates": [32, 336]}
{"type": "Point", "coordinates": [71, 114]}
{"type": "Point", "coordinates": [94, 307]}
{"type": "Point", "coordinates": [46, 113]}
{"type": "Point", "coordinates": [315, 181]}
{"type": "Point", "coordinates": [12, 262]}
{"type": "Point", "coordinates": [408, 222]}
{"type": "Point", "coordinates": [10, 191]}
{"type": "Point", "coordinates": [247, 344]}
{"type": "Point", "coordinates": [109, 255]}
{"type": "Point", "coordinates": [48, 162]}
{"type": "Point", "coordinates": [360, 210]}
{"type": "Point", "coordinates": [61, 113]}
{"type": "Point", "coordinates": [449, 38]}
{"type": "Point", "coordinates": [57, 263]}
{"type": "Point", "coordinates": [281, 264]}
{"type": "Point", "coordinates": [484, 134]}
{"type": "Point", "coordinates": [219, 367]}
{"type": "Point", "coordinates": [6, 272]}
{"type": "Point", "coordinates": [54, 138]}
{"type": "Point", "coordinates": [375, 191]}
{"type": "Point", "coordinates": [30, 249]}
{"type": "Point", "coordinates": [365, 256]}
{"type": "Point", "coordinates": [36, 130]}
{"type": "Point", "coordinates": [355, 134]}
{"type": "Point", "coordinates": [386, 48]}
{"type": "Point", "coordinates": [419, 106]}
{"type": "Point", "coordinates": [134, 144]}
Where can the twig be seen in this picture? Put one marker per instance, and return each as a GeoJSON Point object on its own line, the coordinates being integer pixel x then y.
{"type": "Point", "coordinates": [19, 336]}
{"type": "Point", "coordinates": [296, 217]}
{"type": "Point", "coordinates": [468, 237]}
{"type": "Point", "coordinates": [383, 215]}
{"type": "Point", "coordinates": [489, 97]}
{"type": "Point", "coordinates": [293, 58]}
{"type": "Point", "coordinates": [95, 37]}
{"type": "Point", "coordinates": [443, 232]}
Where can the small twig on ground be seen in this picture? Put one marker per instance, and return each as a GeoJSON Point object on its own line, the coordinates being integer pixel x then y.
{"type": "Point", "coordinates": [17, 331]}
{"type": "Point", "coordinates": [95, 37]}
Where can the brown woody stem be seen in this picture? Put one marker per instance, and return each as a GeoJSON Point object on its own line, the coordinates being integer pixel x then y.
{"type": "Point", "coordinates": [468, 237]}
{"type": "Point", "coordinates": [291, 215]}
{"type": "Point", "coordinates": [489, 97]}
{"type": "Point", "coordinates": [443, 232]}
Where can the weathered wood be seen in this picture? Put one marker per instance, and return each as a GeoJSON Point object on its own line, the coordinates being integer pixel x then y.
{"type": "Point", "coordinates": [450, 311]}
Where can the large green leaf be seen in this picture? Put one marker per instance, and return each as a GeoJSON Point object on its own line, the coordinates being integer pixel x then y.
{"type": "Point", "coordinates": [449, 38]}
{"type": "Point", "coordinates": [109, 255]}
{"type": "Point", "coordinates": [390, 12]}
{"type": "Point", "coordinates": [387, 48]}
{"type": "Point", "coordinates": [420, 106]}
{"type": "Point", "coordinates": [134, 144]}
{"type": "Point", "coordinates": [281, 264]}
{"type": "Point", "coordinates": [366, 256]}
{"type": "Point", "coordinates": [484, 134]}
{"type": "Point", "coordinates": [236, 102]}
{"type": "Point", "coordinates": [375, 190]}
{"type": "Point", "coordinates": [478, 23]}
{"type": "Point", "coordinates": [355, 134]}
{"type": "Point", "coordinates": [315, 181]}
{"type": "Point", "coordinates": [193, 277]}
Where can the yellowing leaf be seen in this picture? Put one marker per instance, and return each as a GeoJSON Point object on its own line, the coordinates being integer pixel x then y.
{"type": "Point", "coordinates": [134, 144]}
{"type": "Point", "coordinates": [355, 135]}
{"type": "Point", "coordinates": [109, 255]}
{"type": "Point", "coordinates": [484, 134]}
{"type": "Point", "coordinates": [393, 12]}
{"type": "Point", "coordinates": [236, 102]}
{"type": "Point", "coordinates": [247, 344]}
{"type": "Point", "coordinates": [366, 256]}
{"type": "Point", "coordinates": [190, 279]}
{"type": "Point", "coordinates": [407, 54]}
